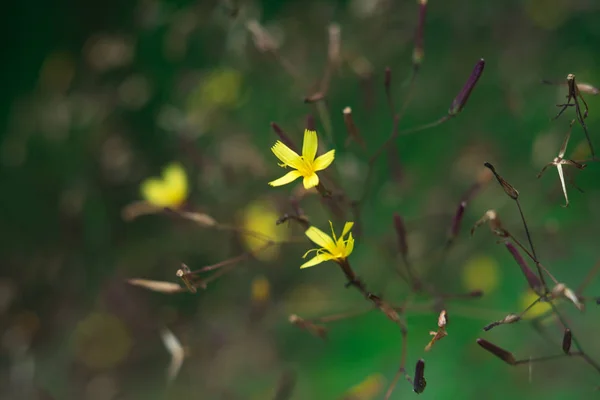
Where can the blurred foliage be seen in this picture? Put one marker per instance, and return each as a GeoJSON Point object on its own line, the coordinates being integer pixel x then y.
{"type": "Point", "coordinates": [101, 97]}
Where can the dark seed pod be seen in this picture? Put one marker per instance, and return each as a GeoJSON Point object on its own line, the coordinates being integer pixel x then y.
{"type": "Point", "coordinates": [419, 381]}
{"type": "Point", "coordinates": [499, 352]}
{"type": "Point", "coordinates": [460, 100]}
{"type": "Point", "coordinates": [401, 233]}
{"type": "Point", "coordinates": [532, 279]}
{"type": "Point", "coordinates": [566, 343]}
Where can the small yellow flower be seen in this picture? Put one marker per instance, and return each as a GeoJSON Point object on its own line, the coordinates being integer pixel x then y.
{"type": "Point", "coordinates": [170, 191]}
{"type": "Point", "coordinates": [333, 248]}
{"type": "Point", "coordinates": [305, 165]}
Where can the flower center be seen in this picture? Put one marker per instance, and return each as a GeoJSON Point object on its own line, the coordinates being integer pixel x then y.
{"type": "Point", "coordinates": [306, 168]}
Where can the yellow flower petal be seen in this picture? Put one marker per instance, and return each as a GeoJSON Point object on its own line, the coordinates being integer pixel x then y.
{"type": "Point", "coordinates": [309, 146]}
{"type": "Point", "coordinates": [156, 193]}
{"type": "Point", "coordinates": [323, 161]}
{"type": "Point", "coordinates": [311, 181]}
{"type": "Point", "coordinates": [287, 178]}
{"type": "Point", "coordinates": [347, 227]}
{"type": "Point", "coordinates": [320, 238]}
{"type": "Point", "coordinates": [176, 179]}
{"type": "Point", "coordinates": [349, 246]}
{"type": "Point", "coordinates": [317, 260]}
{"type": "Point", "coordinates": [333, 232]}
{"type": "Point", "coordinates": [287, 155]}
{"type": "Point", "coordinates": [171, 191]}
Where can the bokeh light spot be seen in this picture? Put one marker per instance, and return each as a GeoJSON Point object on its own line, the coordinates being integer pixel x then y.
{"type": "Point", "coordinates": [101, 341]}
{"type": "Point", "coordinates": [481, 273]}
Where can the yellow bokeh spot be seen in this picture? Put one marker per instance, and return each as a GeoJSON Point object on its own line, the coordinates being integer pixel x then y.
{"type": "Point", "coordinates": [307, 301]}
{"type": "Point", "coordinates": [367, 389]}
{"type": "Point", "coordinates": [537, 310]}
{"type": "Point", "coordinates": [220, 88]}
{"type": "Point", "coordinates": [101, 341]}
{"type": "Point", "coordinates": [481, 273]}
{"type": "Point", "coordinates": [169, 191]}
{"type": "Point", "coordinates": [259, 217]}
{"type": "Point", "coordinates": [548, 14]}
{"type": "Point", "coordinates": [260, 289]}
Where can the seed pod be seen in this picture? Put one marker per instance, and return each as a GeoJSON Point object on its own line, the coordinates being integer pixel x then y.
{"type": "Point", "coordinates": [532, 279]}
{"type": "Point", "coordinates": [457, 219]}
{"type": "Point", "coordinates": [419, 381]}
{"type": "Point", "coordinates": [508, 188]}
{"type": "Point", "coordinates": [566, 343]}
{"type": "Point", "coordinates": [499, 352]}
{"type": "Point", "coordinates": [461, 99]}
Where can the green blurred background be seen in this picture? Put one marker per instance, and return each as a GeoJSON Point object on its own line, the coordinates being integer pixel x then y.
{"type": "Point", "coordinates": [99, 96]}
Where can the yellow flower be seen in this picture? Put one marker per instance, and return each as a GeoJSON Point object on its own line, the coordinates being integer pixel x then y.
{"type": "Point", "coordinates": [305, 165]}
{"type": "Point", "coordinates": [170, 191]}
{"type": "Point", "coordinates": [333, 248]}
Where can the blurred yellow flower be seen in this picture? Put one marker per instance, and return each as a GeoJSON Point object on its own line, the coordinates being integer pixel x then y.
{"type": "Point", "coordinates": [539, 309]}
{"type": "Point", "coordinates": [260, 218]}
{"type": "Point", "coordinates": [170, 191]}
{"type": "Point", "coordinates": [333, 248]}
{"type": "Point", "coordinates": [481, 272]}
{"type": "Point", "coordinates": [305, 165]}
{"type": "Point", "coordinates": [367, 389]}
{"type": "Point", "coordinates": [220, 88]}
{"type": "Point", "coordinates": [261, 289]}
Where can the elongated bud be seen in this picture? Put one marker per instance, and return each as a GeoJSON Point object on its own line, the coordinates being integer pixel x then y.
{"type": "Point", "coordinates": [566, 343]}
{"type": "Point", "coordinates": [157, 286]}
{"type": "Point", "coordinates": [419, 50]}
{"type": "Point", "coordinates": [387, 80]}
{"type": "Point", "coordinates": [587, 88]}
{"type": "Point", "coordinates": [351, 128]}
{"type": "Point", "coordinates": [509, 319]}
{"type": "Point", "coordinates": [401, 233]}
{"type": "Point", "coordinates": [499, 352]}
{"type": "Point", "coordinates": [532, 279]}
{"type": "Point", "coordinates": [333, 51]}
{"type": "Point", "coordinates": [456, 221]}
{"type": "Point", "coordinates": [419, 382]}
{"type": "Point", "coordinates": [508, 188]}
{"type": "Point", "coordinates": [313, 98]}
{"type": "Point", "coordinates": [461, 99]}
{"type": "Point", "coordinates": [285, 139]}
